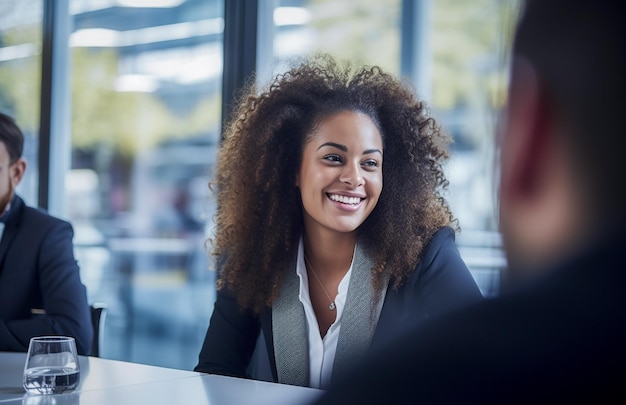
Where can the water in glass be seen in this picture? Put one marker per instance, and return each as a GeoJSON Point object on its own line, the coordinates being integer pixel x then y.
{"type": "Point", "coordinates": [51, 366]}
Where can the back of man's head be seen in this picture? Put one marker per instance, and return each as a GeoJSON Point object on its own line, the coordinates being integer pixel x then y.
{"type": "Point", "coordinates": [11, 136]}
{"type": "Point", "coordinates": [578, 50]}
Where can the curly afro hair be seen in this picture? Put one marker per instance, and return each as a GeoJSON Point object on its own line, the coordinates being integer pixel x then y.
{"type": "Point", "coordinates": [259, 217]}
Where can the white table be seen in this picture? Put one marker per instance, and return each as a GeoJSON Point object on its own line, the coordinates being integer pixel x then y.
{"type": "Point", "coordinates": [113, 382]}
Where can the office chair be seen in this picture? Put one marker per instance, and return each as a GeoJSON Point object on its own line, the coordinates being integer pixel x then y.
{"type": "Point", "coordinates": [98, 315]}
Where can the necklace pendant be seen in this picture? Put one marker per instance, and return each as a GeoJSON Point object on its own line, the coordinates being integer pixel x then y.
{"type": "Point", "coordinates": [332, 306]}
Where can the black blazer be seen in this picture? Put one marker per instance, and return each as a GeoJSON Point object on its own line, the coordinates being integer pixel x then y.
{"type": "Point", "coordinates": [441, 283]}
{"type": "Point", "coordinates": [38, 273]}
{"type": "Point", "coordinates": [557, 339]}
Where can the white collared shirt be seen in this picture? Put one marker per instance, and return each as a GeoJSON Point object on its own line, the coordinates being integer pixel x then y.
{"type": "Point", "coordinates": [321, 351]}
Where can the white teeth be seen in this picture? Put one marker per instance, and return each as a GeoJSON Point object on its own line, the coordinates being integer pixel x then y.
{"type": "Point", "coordinates": [345, 200]}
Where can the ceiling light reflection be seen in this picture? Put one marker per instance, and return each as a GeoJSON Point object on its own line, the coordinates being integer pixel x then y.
{"type": "Point", "coordinates": [291, 16]}
{"type": "Point", "coordinates": [136, 83]}
{"type": "Point", "coordinates": [150, 3]}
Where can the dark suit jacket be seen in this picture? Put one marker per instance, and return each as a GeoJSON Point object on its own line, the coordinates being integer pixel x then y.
{"type": "Point", "coordinates": [440, 283]}
{"type": "Point", "coordinates": [38, 272]}
{"type": "Point", "coordinates": [560, 339]}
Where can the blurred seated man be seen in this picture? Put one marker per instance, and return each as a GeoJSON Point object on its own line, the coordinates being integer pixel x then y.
{"type": "Point", "coordinates": [40, 288]}
{"type": "Point", "coordinates": [557, 334]}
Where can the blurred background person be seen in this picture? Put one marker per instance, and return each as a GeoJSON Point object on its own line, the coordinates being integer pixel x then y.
{"type": "Point", "coordinates": [557, 334]}
{"type": "Point", "coordinates": [41, 292]}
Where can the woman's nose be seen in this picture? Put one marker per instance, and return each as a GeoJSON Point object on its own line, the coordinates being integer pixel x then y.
{"type": "Point", "coordinates": [352, 176]}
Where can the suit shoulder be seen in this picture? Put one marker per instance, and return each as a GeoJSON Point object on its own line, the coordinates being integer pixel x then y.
{"type": "Point", "coordinates": [442, 240]}
{"type": "Point", "coordinates": [443, 235]}
{"type": "Point", "coordinates": [40, 218]}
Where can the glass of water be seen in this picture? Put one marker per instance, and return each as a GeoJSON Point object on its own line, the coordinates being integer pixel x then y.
{"type": "Point", "coordinates": [51, 365]}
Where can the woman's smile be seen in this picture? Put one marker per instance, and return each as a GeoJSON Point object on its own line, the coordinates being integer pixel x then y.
{"type": "Point", "coordinates": [346, 201]}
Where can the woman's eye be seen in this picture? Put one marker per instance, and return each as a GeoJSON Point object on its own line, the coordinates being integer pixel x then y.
{"type": "Point", "coordinates": [370, 163]}
{"type": "Point", "coordinates": [332, 158]}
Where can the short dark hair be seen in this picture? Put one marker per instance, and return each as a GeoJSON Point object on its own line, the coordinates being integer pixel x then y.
{"type": "Point", "coordinates": [12, 137]}
{"type": "Point", "coordinates": [578, 50]}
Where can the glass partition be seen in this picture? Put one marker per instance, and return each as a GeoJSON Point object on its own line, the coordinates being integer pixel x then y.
{"type": "Point", "coordinates": [469, 44]}
{"type": "Point", "coordinates": [365, 32]}
{"type": "Point", "coordinates": [20, 79]}
{"type": "Point", "coordinates": [146, 80]}
{"type": "Point", "coordinates": [146, 93]}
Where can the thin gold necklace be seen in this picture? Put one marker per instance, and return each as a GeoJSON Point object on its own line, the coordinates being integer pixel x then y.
{"type": "Point", "coordinates": [332, 305]}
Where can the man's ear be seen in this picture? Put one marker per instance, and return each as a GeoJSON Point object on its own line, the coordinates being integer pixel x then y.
{"type": "Point", "coordinates": [16, 171]}
{"type": "Point", "coordinates": [526, 141]}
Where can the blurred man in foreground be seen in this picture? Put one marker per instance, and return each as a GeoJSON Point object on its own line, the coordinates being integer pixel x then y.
{"type": "Point", "coordinates": [40, 288]}
{"type": "Point", "coordinates": [559, 332]}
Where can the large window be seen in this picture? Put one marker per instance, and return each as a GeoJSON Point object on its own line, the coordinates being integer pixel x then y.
{"type": "Point", "coordinates": [362, 31]}
{"type": "Point", "coordinates": [144, 79]}
{"type": "Point", "coordinates": [20, 57]}
{"type": "Point", "coordinates": [146, 93]}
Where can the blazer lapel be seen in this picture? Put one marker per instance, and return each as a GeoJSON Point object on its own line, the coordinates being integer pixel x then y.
{"type": "Point", "coordinates": [289, 331]}
{"type": "Point", "coordinates": [358, 323]}
{"type": "Point", "coordinates": [10, 227]}
{"type": "Point", "coordinates": [359, 318]}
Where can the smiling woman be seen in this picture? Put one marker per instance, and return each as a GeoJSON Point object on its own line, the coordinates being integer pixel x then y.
{"type": "Point", "coordinates": [323, 251]}
{"type": "Point", "coordinates": [340, 181]}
